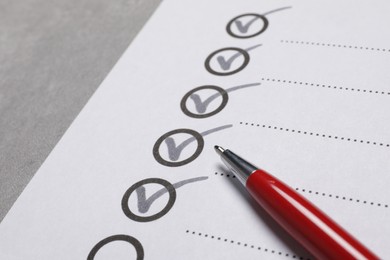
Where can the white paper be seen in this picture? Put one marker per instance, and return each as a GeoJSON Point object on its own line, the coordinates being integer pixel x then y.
{"type": "Point", "coordinates": [312, 109]}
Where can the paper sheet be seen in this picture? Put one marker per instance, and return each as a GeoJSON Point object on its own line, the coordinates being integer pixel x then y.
{"type": "Point", "coordinates": [300, 88]}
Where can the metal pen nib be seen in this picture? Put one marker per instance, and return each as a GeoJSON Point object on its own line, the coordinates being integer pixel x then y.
{"type": "Point", "coordinates": [219, 149]}
{"type": "Point", "coordinates": [240, 168]}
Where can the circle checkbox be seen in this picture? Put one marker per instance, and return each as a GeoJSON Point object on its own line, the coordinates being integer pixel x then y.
{"type": "Point", "coordinates": [223, 62]}
{"type": "Point", "coordinates": [171, 200]}
{"type": "Point", "coordinates": [201, 106]}
{"type": "Point", "coordinates": [247, 25]}
{"type": "Point", "coordinates": [175, 151]}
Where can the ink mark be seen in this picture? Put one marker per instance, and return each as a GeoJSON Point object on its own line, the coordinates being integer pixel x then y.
{"type": "Point", "coordinates": [243, 28]}
{"type": "Point", "coordinates": [277, 10]}
{"type": "Point", "coordinates": [201, 106]}
{"type": "Point", "coordinates": [225, 62]}
{"type": "Point", "coordinates": [174, 151]}
{"type": "Point", "coordinates": [250, 24]}
{"type": "Point", "coordinates": [144, 204]}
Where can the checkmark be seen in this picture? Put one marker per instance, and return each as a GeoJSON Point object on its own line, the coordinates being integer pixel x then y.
{"type": "Point", "coordinates": [201, 106]}
{"type": "Point", "coordinates": [144, 204]}
{"type": "Point", "coordinates": [243, 28]}
{"type": "Point", "coordinates": [174, 150]}
{"type": "Point", "coordinates": [225, 64]}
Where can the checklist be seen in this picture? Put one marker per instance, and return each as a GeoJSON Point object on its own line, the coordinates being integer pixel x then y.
{"type": "Point", "coordinates": [300, 88]}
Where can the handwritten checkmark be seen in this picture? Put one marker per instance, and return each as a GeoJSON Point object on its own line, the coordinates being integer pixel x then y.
{"type": "Point", "coordinates": [201, 106]}
{"type": "Point", "coordinates": [174, 150]}
{"type": "Point", "coordinates": [225, 64]}
{"type": "Point", "coordinates": [144, 204]}
{"type": "Point", "coordinates": [244, 22]}
{"type": "Point", "coordinates": [243, 28]}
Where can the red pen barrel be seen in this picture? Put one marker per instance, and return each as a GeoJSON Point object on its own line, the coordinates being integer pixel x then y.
{"type": "Point", "coordinates": [319, 234]}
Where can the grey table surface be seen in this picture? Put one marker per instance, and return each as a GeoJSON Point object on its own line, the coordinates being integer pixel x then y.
{"type": "Point", "coordinates": [53, 56]}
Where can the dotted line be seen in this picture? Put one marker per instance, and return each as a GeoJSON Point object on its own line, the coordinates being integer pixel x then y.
{"type": "Point", "coordinates": [321, 194]}
{"type": "Point", "coordinates": [326, 86]}
{"type": "Point", "coordinates": [342, 198]}
{"type": "Point", "coordinates": [226, 175]}
{"type": "Point", "coordinates": [337, 45]}
{"type": "Point", "coordinates": [239, 243]}
{"type": "Point", "coordinates": [347, 139]}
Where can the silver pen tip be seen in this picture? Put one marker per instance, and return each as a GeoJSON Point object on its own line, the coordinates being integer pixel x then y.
{"type": "Point", "coordinates": [219, 149]}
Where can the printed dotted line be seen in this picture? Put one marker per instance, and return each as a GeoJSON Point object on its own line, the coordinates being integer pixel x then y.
{"type": "Point", "coordinates": [326, 86]}
{"type": "Point", "coordinates": [337, 45]}
{"type": "Point", "coordinates": [226, 175]}
{"type": "Point", "coordinates": [239, 243]}
{"type": "Point", "coordinates": [322, 194]}
{"type": "Point", "coordinates": [342, 198]}
{"type": "Point", "coordinates": [317, 134]}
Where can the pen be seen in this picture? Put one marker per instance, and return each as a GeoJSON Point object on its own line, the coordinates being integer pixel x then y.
{"type": "Point", "coordinates": [312, 228]}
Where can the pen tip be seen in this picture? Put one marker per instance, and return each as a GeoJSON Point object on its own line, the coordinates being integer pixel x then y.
{"type": "Point", "coordinates": [219, 149]}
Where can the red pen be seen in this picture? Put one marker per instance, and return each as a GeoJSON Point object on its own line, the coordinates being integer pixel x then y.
{"type": "Point", "coordinates": [312, 228]}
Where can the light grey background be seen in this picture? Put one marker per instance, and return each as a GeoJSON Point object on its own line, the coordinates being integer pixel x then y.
{"type": "Point", "coordinates": [53, 56]}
